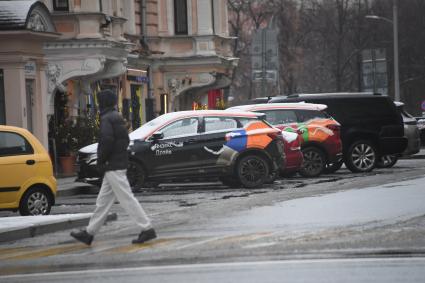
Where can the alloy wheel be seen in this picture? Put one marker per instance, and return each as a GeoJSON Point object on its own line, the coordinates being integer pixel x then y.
{"type": "Point", "coordinates": [314, 162]}
{"type": "Point", "coordinates": [252, 171]}
{"type": "Point", "coordinates": [363, 157]}
{"type": "Point", "coordinates": [38, 204]}
{"type": "Point", "coordinates": [387, 161]}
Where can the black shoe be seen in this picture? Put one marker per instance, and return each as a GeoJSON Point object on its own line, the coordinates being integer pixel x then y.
{"type": "Point", "coordinates": [145, 236]}
{"type": "Point", "coordinates": [83, 237]}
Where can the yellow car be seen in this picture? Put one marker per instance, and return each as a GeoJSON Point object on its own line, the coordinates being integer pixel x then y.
{"type": "Point", "coordinates": [27, 183]}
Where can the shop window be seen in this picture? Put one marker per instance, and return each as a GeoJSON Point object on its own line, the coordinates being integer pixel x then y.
{"type": "Point", "coordinates": [180, 17]}
{"type": "Point", "coordinates": [60, 5]}
{"type": "Point", "coordinates": [2, 101]}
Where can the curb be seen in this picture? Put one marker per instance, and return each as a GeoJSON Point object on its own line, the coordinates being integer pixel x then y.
{"type": "Point", "coordinates": [77, 190]}
{"type": "Point", "coordinates": [32, 231]}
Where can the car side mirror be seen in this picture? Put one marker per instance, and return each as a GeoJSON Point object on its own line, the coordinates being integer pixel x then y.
{"type": "Point", "coordinates": [157, 136]}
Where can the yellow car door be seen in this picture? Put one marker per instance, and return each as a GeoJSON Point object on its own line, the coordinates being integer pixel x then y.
{"type": "Point", "coordinates": [18, 164]}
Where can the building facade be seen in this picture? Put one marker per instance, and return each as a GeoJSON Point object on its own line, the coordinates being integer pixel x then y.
{"type": "Point", "coordinates": [24, 27]}
{"type": "Point", "coordinates": [158, 55]}
{"type": "Point", "coordinates": [187, 52]}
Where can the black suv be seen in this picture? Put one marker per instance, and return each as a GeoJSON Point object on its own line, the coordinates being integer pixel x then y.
{"type": "Point", "coordinates": [371, 126]}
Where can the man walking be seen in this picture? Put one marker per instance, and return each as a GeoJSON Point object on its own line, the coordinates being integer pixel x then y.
{"type": "Point", "coordinates": [112, 159]}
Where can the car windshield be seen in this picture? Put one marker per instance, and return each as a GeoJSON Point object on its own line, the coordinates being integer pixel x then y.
{"type": "Point", "coordinates": [149, 127]}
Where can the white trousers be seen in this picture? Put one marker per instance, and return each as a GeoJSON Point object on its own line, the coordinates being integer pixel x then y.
{"type": "Point", "coordinates": [115, 186]}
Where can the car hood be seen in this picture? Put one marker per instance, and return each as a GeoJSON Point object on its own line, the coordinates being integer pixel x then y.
{"type": "Point", "coordinates": [91, 148]}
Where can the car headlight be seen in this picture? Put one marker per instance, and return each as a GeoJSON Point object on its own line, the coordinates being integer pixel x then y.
{"type": "Point", "coordinates": [92, 158]}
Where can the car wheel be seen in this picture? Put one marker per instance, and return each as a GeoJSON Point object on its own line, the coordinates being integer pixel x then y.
{"type": "Point", "coordinates": [230, 182]}
{"type": "Point", "coordinates": [36, 201]}
{"type": "Point", "coordinates": [387, 161]}
{"type": "Point", "coordinates": [333, 167]}
{"type": "Point", "coordinates": [361, 157]}
{"type": "Point", "coordinates": [252, 171]}
{"type": "Point", "coordinates": [314, 162]}
{"type": "Point", "coordinates": [136, 176]}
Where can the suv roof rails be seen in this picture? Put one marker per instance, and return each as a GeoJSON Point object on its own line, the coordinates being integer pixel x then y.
{"type": "Point", "coordinates": [332, 93]}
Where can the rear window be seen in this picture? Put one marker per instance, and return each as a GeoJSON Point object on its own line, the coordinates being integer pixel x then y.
{"type": "Point", "coordinates": [278, 117]}
{"type": "Point", "coordinates": [307, 115]}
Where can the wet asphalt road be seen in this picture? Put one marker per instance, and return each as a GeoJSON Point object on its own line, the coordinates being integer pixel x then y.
{"type": "Point", "coordinates": [208, 227]}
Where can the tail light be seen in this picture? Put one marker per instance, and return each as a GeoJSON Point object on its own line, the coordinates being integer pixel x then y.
{"type": "Point", "coordinates": [336, 129]}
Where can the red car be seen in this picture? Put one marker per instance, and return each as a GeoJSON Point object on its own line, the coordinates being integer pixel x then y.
{"type": "Point", "coordinates": [320, 133]}
{"type": "Point", "coordinates": [293, 153]}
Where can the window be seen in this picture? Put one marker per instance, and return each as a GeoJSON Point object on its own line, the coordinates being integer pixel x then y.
{"type": "Point", "coordinates": [306, 115]}
{"type": "Point", "coordinates": [14, 144]}
{"type": "Point", "coordinates": [184, 127]}
{"type": "Point", "coordinates": [278, 117]}
{"type": "Point", "coordinates": [60, 5]}
{"type": "Point", "coordinates": [214, 124]}
{"type": "Point", "coordinates": [180, 17]}
{"type": "Point", "coordinates": [2, 101]}
{"type": "Point", "coordinates": [246, 121]}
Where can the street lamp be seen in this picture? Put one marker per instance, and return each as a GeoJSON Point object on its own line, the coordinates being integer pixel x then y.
{"type": "Point", "coordinates": [394, 22]}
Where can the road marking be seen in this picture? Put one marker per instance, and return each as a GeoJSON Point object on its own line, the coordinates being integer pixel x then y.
{"type": "Point", "coordinates": [50, 251]}
{"type": "Point", "coordinates": [199, 243]}
{"type": "Point", "coordinates": [228, 239]}
{"type": "Point", "coordinates": [260, 245]}
{"type": "Point", "coordinates": [138, 247]}
{"type": "Point", "coordinates": [7, 252]}
{"type": "Point", "coordinates": [249, 237]}
{"type": "Point", "coordinates": [191, 267]}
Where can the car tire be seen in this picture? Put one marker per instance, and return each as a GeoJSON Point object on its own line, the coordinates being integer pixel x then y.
{"type": "Point", "coordinates": [230, 182]}
{"type": "Point", "coordinates": [36, 201]}
{"type": "Point", "coordinates": [387, 161]}
{"type": "Point", "coordinates": [333, 167]}
{"type": "Point", "coordinates": [252, 171]}
{"type": "Point", "coordinates": [136, 175]}
{"type": "Point", "coordinates": [314, 162]}
{"type": "Point", "coordinates": [360, 156]}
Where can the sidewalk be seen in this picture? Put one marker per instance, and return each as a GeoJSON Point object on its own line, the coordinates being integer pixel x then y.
{"type": "Point", "coordinates": [20, 227]}
{"type": "Point", "coordinates": [17, 227]}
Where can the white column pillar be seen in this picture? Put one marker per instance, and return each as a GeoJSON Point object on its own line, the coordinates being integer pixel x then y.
{"type": "Point", "coordinates": [42, 116]}
{"type": "Point", "coordinates": [15, 96]}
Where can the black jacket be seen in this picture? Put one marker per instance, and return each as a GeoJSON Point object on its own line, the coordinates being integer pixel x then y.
{"type": "Point", "coordinates": [113, 138]}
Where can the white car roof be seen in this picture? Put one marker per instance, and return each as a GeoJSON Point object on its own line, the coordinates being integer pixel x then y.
{"type": "Point", "coordinates": [149, 127]}
{"type": "Point", "coordinates": [270, 106]}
